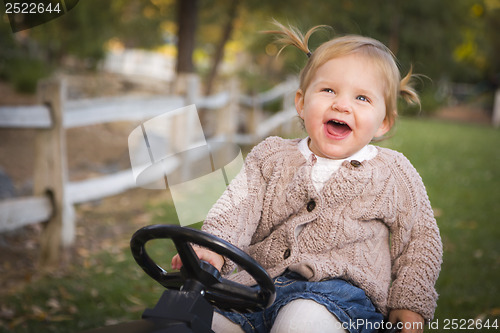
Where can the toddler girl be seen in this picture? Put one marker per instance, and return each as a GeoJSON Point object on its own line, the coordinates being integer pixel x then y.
{"type": "Point", "coordinates": [345, 228]}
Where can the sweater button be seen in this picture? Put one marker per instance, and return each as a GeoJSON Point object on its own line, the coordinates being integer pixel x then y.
{"type": "Point", "coordinates": [355, 163]}
{"type": "Point", "coordinates": [286, 254]}
{"type": "Point", "coordinates": [311, 205]}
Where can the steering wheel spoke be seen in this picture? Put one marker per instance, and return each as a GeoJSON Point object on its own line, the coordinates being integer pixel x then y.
{"type": "Point", "coordinates": [190, 261]}
{"type": "Point", "coordinates": [172, 280]}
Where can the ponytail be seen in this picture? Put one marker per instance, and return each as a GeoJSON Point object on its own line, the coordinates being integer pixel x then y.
{"type": "Point", "coordinates": [406, 91]}
{"type": "Point", "coordinates": [292, 36]}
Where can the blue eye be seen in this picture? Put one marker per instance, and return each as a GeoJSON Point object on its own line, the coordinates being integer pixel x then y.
{"type": "Point", "coordinates": [328, 90]}
{"type": "Point", "coordinates": [363, 98]}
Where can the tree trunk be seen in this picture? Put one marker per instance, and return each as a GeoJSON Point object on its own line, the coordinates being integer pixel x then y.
{"type": "Point", "coordinates": [187, 21]}
{"type": "Point", "coordinates": [219, 53]}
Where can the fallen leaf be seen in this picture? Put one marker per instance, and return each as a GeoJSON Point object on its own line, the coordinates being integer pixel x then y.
{"type": "Point", "coordinates": [110, 322]}
{"type": "Point", "coordinates": [38, 313]}
{"type": "Point", "coordinates": [72, 309]}
{"type": "Point", "coordinates": [64, 293]}
{"type": "Point", "coordinates": [54, 304]}
{"type": "Point", "coordinates": [135, 300]}
{"type": "Point", "coordinates": [495, 312]}
{"type": "Point", "coordinates": [83, 252]}
{"type": "Point", "coordinates": [60, 318]}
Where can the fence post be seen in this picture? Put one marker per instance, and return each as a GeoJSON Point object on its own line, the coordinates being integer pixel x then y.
{"type": "Point", "coordinates": [50, 175]}
{"type": "Point", "coordinates": [227, 117]}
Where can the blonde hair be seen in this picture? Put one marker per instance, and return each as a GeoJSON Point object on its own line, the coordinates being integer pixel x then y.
{"type": "Point", "coordinates": [349, 44]}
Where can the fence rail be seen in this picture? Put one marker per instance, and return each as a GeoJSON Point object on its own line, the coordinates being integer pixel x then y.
{"type": "Point", "coordinates": [18, 212]}
{"type": "Point", "coordinates": [105, 110]}
{"type": "Point", "coordinates": [36, 116]}
{"type": "Point", "coordinates": [54, 196]}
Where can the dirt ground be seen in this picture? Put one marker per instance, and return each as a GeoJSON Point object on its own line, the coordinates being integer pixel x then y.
{"type": "Point", "coordinates": [92, 150]}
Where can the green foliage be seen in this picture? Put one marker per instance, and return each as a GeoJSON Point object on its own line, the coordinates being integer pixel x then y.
{"type": "Point", "coordinates": [17, 64]}
{"type": "Point", "coordinates": [85, 30]}
{"type": "Point", "coordinates": [24, 73]}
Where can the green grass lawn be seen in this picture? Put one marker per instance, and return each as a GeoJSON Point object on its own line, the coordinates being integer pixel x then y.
{"type": "Point", "coordinates": [460, 165]}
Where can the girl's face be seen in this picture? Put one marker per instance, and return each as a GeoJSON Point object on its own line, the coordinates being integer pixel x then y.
{"type": "Point", "coordinates": [343, 107]}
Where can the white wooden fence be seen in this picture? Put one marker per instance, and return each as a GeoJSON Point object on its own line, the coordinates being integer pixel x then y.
{"type": "Point", "coordinates": [54, 196]}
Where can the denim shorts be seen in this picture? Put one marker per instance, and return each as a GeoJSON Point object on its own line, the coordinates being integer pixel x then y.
{"type": "Point", "coordinates": [345, 301]}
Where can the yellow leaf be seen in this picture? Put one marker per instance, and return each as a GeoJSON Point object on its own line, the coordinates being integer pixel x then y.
{"type": "Point", "coordinates": [495, 312]}
{"type": "Point", "coordinates": [135, 300]}
{"type": "Point", "coordinates": [83, 252]}
{"type": "Point", "coordinates": [38, 313]}
{"type": "Point", "coordinates": [60, 318]}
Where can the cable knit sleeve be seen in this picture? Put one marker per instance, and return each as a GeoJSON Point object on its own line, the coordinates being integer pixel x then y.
{"type": "Point", "coordinates": [416, 248]}
{"type": "Point", "coordinates": [236, 214]}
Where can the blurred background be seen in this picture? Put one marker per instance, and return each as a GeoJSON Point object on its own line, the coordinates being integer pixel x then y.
{"type": "Point", "coordinates": [111, 51]}
{"type": "Point", "coordinates": [454, 43]}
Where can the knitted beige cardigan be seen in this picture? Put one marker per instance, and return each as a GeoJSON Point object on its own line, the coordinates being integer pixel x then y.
{"type": "Point", "coordinates": [371, 224]}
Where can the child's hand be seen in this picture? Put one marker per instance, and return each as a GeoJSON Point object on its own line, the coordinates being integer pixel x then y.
{"type": "Point", "coordinates": [412, 321]}
{"type": "Point", "coordinates": [212, 258]}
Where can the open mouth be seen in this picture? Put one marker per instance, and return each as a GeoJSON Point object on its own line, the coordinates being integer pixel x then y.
{"type": "Point", "coordinates": [337, 128]}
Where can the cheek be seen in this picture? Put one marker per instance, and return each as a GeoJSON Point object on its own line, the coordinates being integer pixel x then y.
{"type": "Point", "coordinates": [378, 117]}
{"type": "Point", "coordinates": [314, 107]}
{"type": "Point", "coordinates": [371, 123]}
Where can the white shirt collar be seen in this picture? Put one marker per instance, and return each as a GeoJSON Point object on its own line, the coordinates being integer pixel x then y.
{"type": "Point", "coordinates": [366, 153]}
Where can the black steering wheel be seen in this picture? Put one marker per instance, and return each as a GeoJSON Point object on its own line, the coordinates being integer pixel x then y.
{"type": "Point", "coordinates": [199, 275]}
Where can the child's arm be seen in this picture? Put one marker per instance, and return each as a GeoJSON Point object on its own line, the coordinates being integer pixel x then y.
{"type": "Point", "coordinates": [416, 247]}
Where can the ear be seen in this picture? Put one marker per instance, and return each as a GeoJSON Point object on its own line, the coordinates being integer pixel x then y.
{"type": "Point", "coordinates": [384, 128]}
{"type": "Point", "coordinates": [299, 102]}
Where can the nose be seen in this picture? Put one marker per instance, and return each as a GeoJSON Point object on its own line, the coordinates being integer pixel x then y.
{"type": "Point", "coordinates": [342, 104]}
